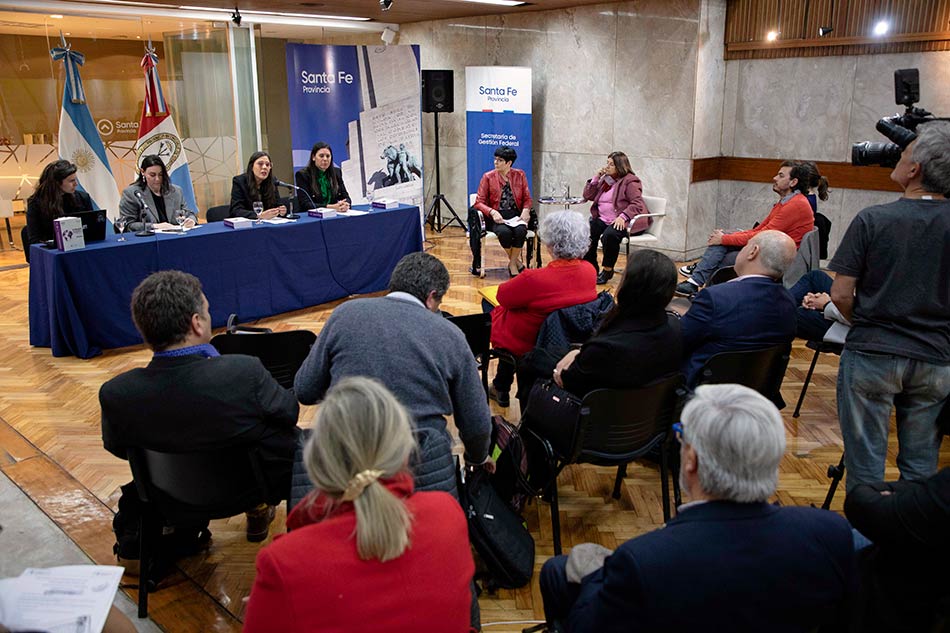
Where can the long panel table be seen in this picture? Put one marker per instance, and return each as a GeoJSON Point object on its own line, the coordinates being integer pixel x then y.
{"type": "Point", "coordinates": [79, 301]}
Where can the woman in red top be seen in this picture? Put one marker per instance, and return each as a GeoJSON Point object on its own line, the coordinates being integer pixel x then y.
{"type": "Point", "coordinates": [524, 302]}
{"type": "Point", "coordinates": [505, 201]}
{"type": "Point", "coordinates": [617, 195]}
{"type": "Point", "coordinates": [366, 553]}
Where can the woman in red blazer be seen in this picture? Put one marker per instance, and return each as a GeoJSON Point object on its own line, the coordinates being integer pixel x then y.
{"type": "Point", "coordinates": [617, 195]}
{"type": "Point", "coordinates": [503, 195]}
{"type": "Point", "coordinates": [366, 553]}
{"type": "Point", "coordinates": [524, 302]}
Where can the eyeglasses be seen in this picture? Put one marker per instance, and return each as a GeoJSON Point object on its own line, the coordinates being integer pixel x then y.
{"type": "Point", "coordinates": [678, 430]}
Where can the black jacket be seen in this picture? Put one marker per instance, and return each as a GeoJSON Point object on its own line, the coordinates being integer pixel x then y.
{"type": "Point", "coordinates": [40, 228]}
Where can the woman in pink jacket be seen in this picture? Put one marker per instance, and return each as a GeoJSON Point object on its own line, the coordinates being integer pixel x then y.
{"type": "Point", "coordinates": [617, 196]}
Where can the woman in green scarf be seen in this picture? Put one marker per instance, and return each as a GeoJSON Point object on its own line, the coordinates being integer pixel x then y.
{"type": "Point", "coordinates": [321, 182]}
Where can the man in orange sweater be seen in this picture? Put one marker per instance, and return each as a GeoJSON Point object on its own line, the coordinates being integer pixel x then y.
{"type": "Point", "coordinates": [792, 215]}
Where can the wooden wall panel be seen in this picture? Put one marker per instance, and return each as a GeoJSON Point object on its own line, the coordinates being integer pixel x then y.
{"type": "Point", "coordinates": [840, 175]}
{"type": "Point", "coordinates": [916, 25]}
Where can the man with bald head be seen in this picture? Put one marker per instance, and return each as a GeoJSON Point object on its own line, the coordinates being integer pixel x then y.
{"type": "Point", "coordinates": [752, 311]}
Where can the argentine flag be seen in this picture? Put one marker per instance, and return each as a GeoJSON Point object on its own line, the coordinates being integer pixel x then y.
{"type": "Point", "coordinates": [79, 140]}
{"type": "Point", "coordinates": [158, 134]}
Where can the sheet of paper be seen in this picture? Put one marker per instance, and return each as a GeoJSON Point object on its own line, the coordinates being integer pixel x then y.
{"type": "Point", "coordinates": [280, 221]}
{"type": "Point", "coordinates": [68, 599]}
{"type": "Point", "coordinates": [515, 221]}
{"type": "Point", "coordinates": [352, 213]}
{"type": "Point", "coordinates": [177, 229]}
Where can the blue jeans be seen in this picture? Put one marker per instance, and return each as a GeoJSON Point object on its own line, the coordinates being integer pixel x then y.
{"type": "Point", "coordinates": [714, 258]}
{"type": "Point", "coordinates": [869, 385]}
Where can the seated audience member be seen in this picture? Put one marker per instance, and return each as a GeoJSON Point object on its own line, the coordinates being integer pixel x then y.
{"type": "Point", "coordinates": [503, 195]}
{"type": "Point", "coordinates": [403, 341]}
{"type": "Point", "coordinates": [817, 184]}
{"type": "Point", "coordinates": [524, 302]}
{"type": "Point", "coordinates": [257, 184]}
{"type": "Point", "coordinates": [365, 552]}
{"type": "Point", "coordinates": [729, 560]}
{"type": "Point", "coordinates": [791, 215]}
{"type": "Point", "coordinates": [322, 182]}
{"type": "Point", "coordinates": [815, 314]}
{"type": "Point", "coordinates": [903, 573]}
{"type": "Point", "coordinates": [153, 199]}
{"type": "Point", "coordinates": [638, 342]}
{"type": "Point", "coordinates": [750, 312]}
{"type": "Point", "coordinates": [189, 398]}
{"type": "Point", "coordinates": [55, 196]}
{"type": "Point", "coordinates": [617, 196]}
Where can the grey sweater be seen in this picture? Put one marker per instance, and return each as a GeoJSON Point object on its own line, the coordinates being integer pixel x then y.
{"type": "Point", "coordinates": [419, 355]}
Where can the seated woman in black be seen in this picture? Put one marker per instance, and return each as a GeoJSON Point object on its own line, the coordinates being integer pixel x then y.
{"type": "Point", "coordinates": [257, 184]}
{"type": "Point", "coordinates": [322, 181]}
{"type": "Point", "coordinates": [55, 196]}
{"type": "Point", "coordinates": [638, 342]}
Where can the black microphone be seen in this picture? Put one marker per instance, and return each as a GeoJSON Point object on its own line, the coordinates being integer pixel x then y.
{"type": "Point", "coordinates": [281, 183]}
{"type": "Point", "coordinates": [145, 232]}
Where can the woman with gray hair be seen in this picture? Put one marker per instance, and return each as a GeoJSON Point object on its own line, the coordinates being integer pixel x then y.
{"type": "Point", "coordinates": [366, 553]}
{"type": "Point", "coordinates": [525, 301]}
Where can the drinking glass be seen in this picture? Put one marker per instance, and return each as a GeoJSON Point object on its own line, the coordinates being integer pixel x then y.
{"type": "Point", "coordinates": [120, 225]}
{"type": "Point", "coordinates": [259, 211]}
{"type": "Point", "coordinates": [369, 192]}
{"type": "Point", "coordinates": [181, 215]}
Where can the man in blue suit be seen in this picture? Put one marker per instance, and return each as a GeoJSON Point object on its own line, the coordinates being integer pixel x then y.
{"type": "Point", "coordinates": [729, 561]}
{"type": "Point", "coordinates": [750, 312]}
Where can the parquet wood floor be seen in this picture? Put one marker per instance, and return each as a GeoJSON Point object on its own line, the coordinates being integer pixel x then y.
{"type": "Point", "coordinates": [50, 446]}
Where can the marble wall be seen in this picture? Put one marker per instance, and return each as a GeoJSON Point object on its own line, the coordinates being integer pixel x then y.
{"type": "Point", "coordinates": [620, 76]}
{"type": "Point", "coordinates": [815, 108]}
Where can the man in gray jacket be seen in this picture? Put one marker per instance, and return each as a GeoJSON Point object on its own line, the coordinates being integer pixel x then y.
{"type": "Point", "coordinates": [403, 341]}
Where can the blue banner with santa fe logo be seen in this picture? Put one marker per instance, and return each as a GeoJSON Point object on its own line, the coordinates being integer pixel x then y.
{"type": "Point", "coordinates": [498, 114]}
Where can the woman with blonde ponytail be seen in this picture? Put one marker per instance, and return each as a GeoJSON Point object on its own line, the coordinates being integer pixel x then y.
{"type": "Point", "coordinates": [365, 553]}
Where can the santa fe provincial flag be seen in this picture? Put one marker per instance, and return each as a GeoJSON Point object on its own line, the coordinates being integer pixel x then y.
{"type": "Point", "coordinates": [79, 140]}
{"type": "Point", "coordinates": [158, 134]}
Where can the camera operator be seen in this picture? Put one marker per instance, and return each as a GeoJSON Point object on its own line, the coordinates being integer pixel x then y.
{"type": "Point", "coordinates": [893, 285]}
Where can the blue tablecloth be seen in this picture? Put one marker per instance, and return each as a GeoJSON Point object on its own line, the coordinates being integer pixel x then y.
{"type": "Point", "coordinates": [79, 301]}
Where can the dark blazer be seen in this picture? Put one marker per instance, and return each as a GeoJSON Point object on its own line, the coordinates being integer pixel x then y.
{"type": "Point", "coordinates": [903, 574]}
{"type": "Point", "coordinates": [241, 204]}
{"type": "Point", "coordinates": [194, 403]}
{"type": "Point", "coordinates": [629, 353]}
{"type": "Point", "coordinates": [131, 208]}
{"type": "Point", "coordinates": [40, 228]}
{"type": "Point", "coordinates": [723, 566]}
{"type": "Point", "coordinates": [304, 203]}
{"type": "Point", "coordinates": [747, 313]}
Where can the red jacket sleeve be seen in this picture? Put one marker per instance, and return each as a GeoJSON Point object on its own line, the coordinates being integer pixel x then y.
{"type": "Point", "coordinates": [794, 218]}
{"type": "Point", "coordinates": [483, 201]}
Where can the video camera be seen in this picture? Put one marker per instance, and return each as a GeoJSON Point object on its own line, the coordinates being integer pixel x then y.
{"type": "Point", "coordinates": [900, 128]}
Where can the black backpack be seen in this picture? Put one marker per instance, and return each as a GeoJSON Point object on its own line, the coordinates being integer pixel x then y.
{"type": "Point", "coordinates": [496, 531]}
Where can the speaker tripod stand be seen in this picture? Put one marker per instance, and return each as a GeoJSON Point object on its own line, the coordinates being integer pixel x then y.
{"type": "Point", "coordinates": [434, 213]}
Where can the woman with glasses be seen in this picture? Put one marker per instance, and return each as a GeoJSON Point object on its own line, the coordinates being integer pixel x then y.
{"type": "Point", "coordinates": [638, 342]}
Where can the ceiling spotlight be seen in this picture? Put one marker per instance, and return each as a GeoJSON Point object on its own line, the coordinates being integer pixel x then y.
{"type": "Point", "coordinates": [882, 27]}
{"type": "Point", "coordinates": [236, 16]}
{"type": "Point", "coordinates": [771, 36]}
{"type": "Point", "coordinates": [824, 30]}
{"type": "Point", "coordinates": [385, 5]}
{"type": "Point", "coordinates": [388, 36]}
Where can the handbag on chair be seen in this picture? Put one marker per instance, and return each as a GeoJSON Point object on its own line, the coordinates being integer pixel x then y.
{"type": "Point", "coordinates": [553, 413]}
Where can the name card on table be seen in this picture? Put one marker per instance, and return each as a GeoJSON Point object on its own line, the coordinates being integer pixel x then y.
{"type": "Point", "coordinates": [385, 203]}
{"type": "Point", "coordinates": [238, 223]}
{"type": "Point", "coordinates": [68, 233]}
{"type": "Point", "coordinates": [322, 212]}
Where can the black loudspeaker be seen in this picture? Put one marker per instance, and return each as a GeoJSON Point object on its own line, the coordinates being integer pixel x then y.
{"type": "Point", "coordinates": [437, 91]}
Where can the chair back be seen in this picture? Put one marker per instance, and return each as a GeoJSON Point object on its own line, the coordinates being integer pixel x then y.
{"type": "Point", "coordinates": [205, 485]}
{"type": "Point", "coordinates": [760, 369]}
{"type": "Point", "coordinates": [477, 331]}
{"type": "Point", "coordinates": [620, 425]}
{"type": "Point", "coordinates": [218, 213]}
{"type": "Point", "coordinates": [722, 275]}
{"type": "Point", "coordinates": [282, 353]}
{"type": "Point", "coordinates": [658, 206]}
{"type": "Point", "coordinates": [806, 259]}
{"type": "Point", "coordinates": [25, 241]}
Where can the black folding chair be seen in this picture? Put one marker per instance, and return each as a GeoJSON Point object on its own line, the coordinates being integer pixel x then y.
{"type": "Point", "coordinates": [190, 489]}
{"type": "Point", "coordinates": [722, 275]}
{"type": "Point", "coordinates": [282, 353]}
{"type": "Point", "coordinates": [616, 427]}
{"type": "Point", "coordinates": [760, 369]}
{"type": "Point", "coordinates": [819, 347]}
{"type": "Point", "coordinates": [477, 331]}
{"type": "Point", "coordinates": [218, 213]}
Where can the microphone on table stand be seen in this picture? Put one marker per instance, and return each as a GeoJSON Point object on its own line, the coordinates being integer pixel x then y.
{"type": "Point", "coordinates": [292, 215]}
{"type": "Point", "coordinates": [145, 232]}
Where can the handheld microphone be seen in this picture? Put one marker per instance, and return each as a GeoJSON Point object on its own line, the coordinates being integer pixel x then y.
{"type": "Point", "coordinates": [145, 232]}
